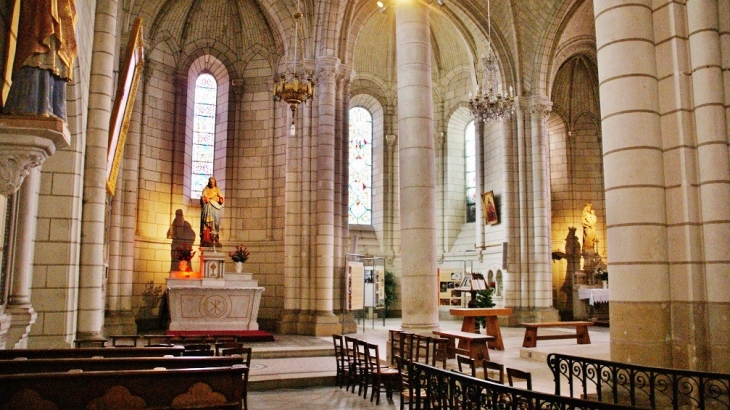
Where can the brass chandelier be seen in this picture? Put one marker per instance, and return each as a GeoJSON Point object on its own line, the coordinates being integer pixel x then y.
{"type": "Point", "coordinates": [491, 103]}
{"type": "Point", "coordinates": [295, 85]}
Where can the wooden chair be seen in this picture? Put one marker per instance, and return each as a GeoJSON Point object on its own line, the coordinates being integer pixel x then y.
{"type": "Point", "coordinates": [379, 375]}
{"type": "Point", "coordinates": [394, 336]}
{"type": "Point", "coordinates": [246, 353]}
{"type": "Point", "coordinates": [361, 367]}
{"type": "Point", "coordinates": [519, 374]}
{"type": "Point", "coordinates": [341, 360]}
{"type": "Point", "coordinates": [408, 395]}
{"type": "Point", "coordinates": [439, 354]}
{"type": "Point", "coordinates": [466, 364]}
{"type": "Point", "coordinates": [353, 376]}
{"type": "Point", "coordinates": [497, 367]}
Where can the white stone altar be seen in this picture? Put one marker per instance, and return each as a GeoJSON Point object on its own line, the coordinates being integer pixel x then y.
{"type": "Point", "coordinates": [212, 299]}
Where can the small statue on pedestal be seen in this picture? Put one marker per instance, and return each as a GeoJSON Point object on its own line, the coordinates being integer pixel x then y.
{"type": "Point", "coordinates": [211, 202]}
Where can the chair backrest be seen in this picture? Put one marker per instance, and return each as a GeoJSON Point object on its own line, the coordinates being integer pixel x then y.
{"type": "Point", "coordinates": [339, 345]}
{"type": "Point", "coordinates": [395, 344]}
{"type": "Point", "coordinates": [439, 345]}
{"type": "Point", "coordinates": [519, 374]}
{"type": "Point", "coordinates": [466, 365]}
{"type": "Point", "coordinates": [372, 357]}
{"type": "Point", "coordinates": [496, 367]}
{"type": "Point", "coordinates": [421, 348]}
{"type": "Point", "coordinates": [243, 351]}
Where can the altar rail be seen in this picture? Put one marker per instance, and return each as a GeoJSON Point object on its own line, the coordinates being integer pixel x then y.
{"type": "Point", "coordinates": [446, 389]}
{"type": "Point", "coordinates": [639, 386]}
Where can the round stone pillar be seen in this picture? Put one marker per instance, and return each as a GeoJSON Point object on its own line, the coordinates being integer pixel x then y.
{"type": "Point", "coordinates": [634, 182]}
{"type": "Point", "coordinates": [419, 293]}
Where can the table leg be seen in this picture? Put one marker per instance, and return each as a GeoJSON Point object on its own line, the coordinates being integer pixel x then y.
{"type": "Point", "coordinates": [493, 330]}
{"type": "Point", "coordinates": [479, 351]}
{"type": "Point", "coordinates": [530, 337]}
{"type": "Point", "coordinates": [469, 324]}
{"type": "Point", "coordinates": [583, 337]}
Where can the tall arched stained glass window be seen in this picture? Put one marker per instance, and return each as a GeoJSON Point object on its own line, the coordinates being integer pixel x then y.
{"type": "Point", "coordinates": [471, 174]}
{"type": "Point", "coordinates": [206, 91]}
{"type": "Point", "coordinates": [361, 166]}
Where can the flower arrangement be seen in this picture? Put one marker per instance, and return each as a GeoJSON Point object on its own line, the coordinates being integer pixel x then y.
{"type": "Point", "coordinates": [184, 252]}
{"type": "Point", "coordinates": [240, 254]}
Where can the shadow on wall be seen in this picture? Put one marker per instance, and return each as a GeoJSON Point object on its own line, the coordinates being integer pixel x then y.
{"type": "Point", "coordinates": [181, 232]}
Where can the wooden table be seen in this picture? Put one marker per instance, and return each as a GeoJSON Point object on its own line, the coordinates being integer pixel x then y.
{"type": "Point", "coordinates": [470, 316]}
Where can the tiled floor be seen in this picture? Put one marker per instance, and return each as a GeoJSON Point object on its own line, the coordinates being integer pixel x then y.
{"type": "Point", "coordinates": [269, 375]}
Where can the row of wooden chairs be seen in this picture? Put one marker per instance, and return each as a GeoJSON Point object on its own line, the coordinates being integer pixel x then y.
{"type": "Point", "coordinates": [468, 366]}
{"type": "Point", "coordinates": [426, 349]}
{"type": "Point", "coordinates": [359, 366]}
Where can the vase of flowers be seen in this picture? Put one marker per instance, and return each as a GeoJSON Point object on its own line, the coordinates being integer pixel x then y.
{"type": "Point", "coordinates": [183, 254]}
{"type": "Point", "coordinates": [240, 255]}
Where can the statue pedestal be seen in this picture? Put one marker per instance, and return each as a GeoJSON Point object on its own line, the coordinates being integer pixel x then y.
{"type": "Point", "coordinates": [212, 299]}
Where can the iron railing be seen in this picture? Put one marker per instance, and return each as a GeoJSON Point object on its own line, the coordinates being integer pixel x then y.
{"type": "Point", "coordinates": [639, 386]}
{"type": "Point", "coordinates": [446, 389]}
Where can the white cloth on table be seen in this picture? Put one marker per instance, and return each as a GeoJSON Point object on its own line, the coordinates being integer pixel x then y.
{"type": "Point", "coordinates": [593, 295]}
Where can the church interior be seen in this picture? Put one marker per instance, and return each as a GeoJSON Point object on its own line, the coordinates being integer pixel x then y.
{"type": "Point", "coordinates": [538, 143]}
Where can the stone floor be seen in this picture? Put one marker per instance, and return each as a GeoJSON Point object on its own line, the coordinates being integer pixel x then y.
{"type": "Point", "coordinates": [297, 372]}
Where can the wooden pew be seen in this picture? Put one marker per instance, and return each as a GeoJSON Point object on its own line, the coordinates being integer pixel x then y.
{"type": "Point", "coordinates": [581, 332]}
{"type": "Point", "coordinates": [214, 387]}
{"type": "Point", "coordinates": [473, 345]}
{"type": "Point", "coordinates": [92, 352]}
{"type": "Point", "coordinates": [114, 363]}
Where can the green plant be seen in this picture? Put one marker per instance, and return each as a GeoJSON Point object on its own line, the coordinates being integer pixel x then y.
{"type": "Point", "coordinates": [484, 300]}
{"type": "Point", "coordinates": [390, 290]}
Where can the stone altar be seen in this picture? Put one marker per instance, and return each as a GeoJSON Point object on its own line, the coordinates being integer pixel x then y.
{"type": "Point", "coordinates": [213, 299]}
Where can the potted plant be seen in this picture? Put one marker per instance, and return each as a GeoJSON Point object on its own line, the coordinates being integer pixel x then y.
{"type": "Point", "coordinates": [240, 255]}
{"type": "Point", "coordinates": [183, 254]}
{"type": "Point", "coordinates": [390, 291]}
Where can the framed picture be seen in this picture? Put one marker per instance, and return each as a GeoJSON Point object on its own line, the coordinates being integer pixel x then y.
{"type": "Point", "coordinates": [489, 208]}
{"type": "Point", "coordinates": [123, 104]}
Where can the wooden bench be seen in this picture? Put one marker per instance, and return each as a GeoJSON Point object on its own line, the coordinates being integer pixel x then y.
{"type": "Point", "coordinates": [124, 340]}
{"type": "Point", "coordinates": [581, 332]}
{"type": "Point", "coordinates": [93, 352]}
{"type": "Point", "coordinates": [473, 345]}
{"type": "Point", "coordinates": [15, 366]}
{"type": "Point", "coordinates": [212, 387]}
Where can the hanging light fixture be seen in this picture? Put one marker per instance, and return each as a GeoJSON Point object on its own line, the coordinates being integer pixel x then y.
{"type": "Point", "coordinates": [490, 103]}
{"type": "Point", "coordinates": [295, 85]}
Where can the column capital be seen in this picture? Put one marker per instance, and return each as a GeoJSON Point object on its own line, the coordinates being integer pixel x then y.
{"type": "Point", "coordinates": [26, 142]}
{"type": "Point", "coordinates": [390, 141]}
{"type": "Point", "coordinates": [237, 85]}
{"type": "Point", "coordinates": [327, 69]}
{"type": "Point", "coordinates": [539, 105]}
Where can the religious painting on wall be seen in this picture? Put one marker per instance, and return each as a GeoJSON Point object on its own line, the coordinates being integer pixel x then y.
{"type": "Point", "coordinates": [490, 208]}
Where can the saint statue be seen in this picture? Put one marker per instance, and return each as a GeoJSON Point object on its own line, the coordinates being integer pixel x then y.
{"type": "Point", "coordinates": [589, 227]}
{"type": "Point", "coordinates": [211, 202]}
{"type": "Point", "coordinates": [45, 52]}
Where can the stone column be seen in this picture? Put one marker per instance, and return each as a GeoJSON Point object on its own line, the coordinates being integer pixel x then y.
{"type": "Point", "coordinates": [478, 175]}
{"type": "Point", "coordinates": [91, 275]}
{"type": "Point", "coordinates": [235, 206]}
{"type": "Point", "coordinates": [703, 343]}
{"type": "Point", "coordinates": [634, 182]}
{"type": "Point", "coordinates": [541, 269]}
{"type": "Point", "coordinates": [19, 305]}
{"type": "Point", "coordinates": [325, 320]}
{"type": "Point", "coordinates": [419, 293]}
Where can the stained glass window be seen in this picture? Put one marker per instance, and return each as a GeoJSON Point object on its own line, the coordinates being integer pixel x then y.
{"type": "Point", "coordinates": [471, 175]}
{"type": "Point", "coordinates": [361, 166]}
{"type": "Point", "coordinates": [206, 90]}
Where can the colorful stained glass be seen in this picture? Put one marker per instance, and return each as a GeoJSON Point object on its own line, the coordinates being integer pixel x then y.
{"type": "Point", "coordinates": [361, 166]}
{"type": "Point", "coordinates": [206, 91]}
{"type": "Point", "coordinates": [471, 175]}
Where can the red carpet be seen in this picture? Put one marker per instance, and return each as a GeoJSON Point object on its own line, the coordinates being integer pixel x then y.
{"type": "Point", "coordinates": [243, 335]}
